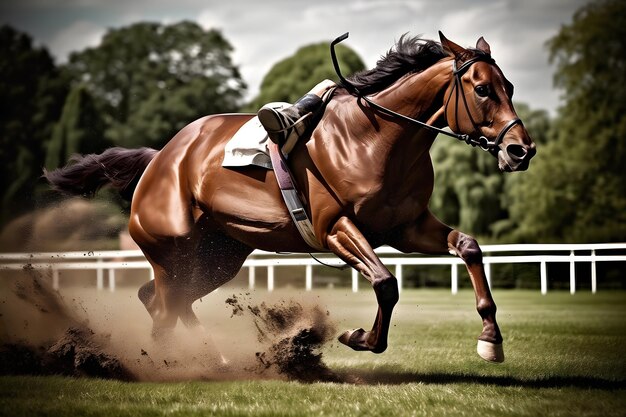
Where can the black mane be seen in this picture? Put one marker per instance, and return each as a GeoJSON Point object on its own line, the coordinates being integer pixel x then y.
{"type": "Point", "coordinates": [409, 55]}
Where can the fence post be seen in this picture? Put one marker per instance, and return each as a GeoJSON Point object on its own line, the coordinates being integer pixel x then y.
{"type": "Point", "coordinates": [594, 278]}
{"type": "Point", "coordinates": [111, 279]}
{"type": "Point", "coordinates": [251, 277]}
{"type": "Point", "coordinates": [55, 278]}
{"type": "Point", "coordinates": [572, 274]}
{"type": "Point", "coordinates": [355, 280]}
{"type": "Point", "coordinates": [399, 276]}
{"type": "Point", "coordinates": [309, 277]}
{"type": "Point", "coordinates": [487, 267]}
{"type": "Point", "coordinates": [270, 277]}
{"type": "Point", "coordinates": [454, 278]}
{"type": "Point", "coordinates": [100, 275]}
{"type": "Point", "coordinates": [544, 278]}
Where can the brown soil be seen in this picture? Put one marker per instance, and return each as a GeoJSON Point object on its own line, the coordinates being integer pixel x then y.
{"type": "Point", "coordinates": [75, 354]}
{"type": "Point", "coordinates": [43, 333]}
{"type": "Point", "coordinates": [292, 335]}
{"type": "Point", "coordinates": [75, 351]}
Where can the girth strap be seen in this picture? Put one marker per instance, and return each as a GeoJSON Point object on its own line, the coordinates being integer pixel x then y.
{"type": "Point", "coordinates": [292, 201]}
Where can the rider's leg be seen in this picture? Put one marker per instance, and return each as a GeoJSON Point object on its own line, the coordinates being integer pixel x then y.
{"type": "Point", "coordinates": [285, 126]}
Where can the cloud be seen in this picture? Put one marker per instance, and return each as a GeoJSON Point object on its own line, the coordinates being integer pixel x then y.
{"type": "Point", "coordinates": [272, 30]}
{"type": "Point", "coordinates": [264, 32]}
{"type": "Point", "coordinates": [76, 37]}
{"type": "Point", "coordinates": [517, 36]}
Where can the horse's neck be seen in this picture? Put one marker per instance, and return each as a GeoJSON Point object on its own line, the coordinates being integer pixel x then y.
{"type": "Point", "coordinates": [420, 96]}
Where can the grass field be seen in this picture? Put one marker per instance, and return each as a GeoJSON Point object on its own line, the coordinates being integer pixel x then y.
{"type": "Point", "coordinates": [565, 356]}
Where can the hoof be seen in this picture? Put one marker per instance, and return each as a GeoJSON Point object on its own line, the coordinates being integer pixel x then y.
{"type": "Point", "coordinates": [354, 339]}
{"type": "Point", "coordinates": [490, 352]}
{"type": "Point", "coordinates": [345, 336]}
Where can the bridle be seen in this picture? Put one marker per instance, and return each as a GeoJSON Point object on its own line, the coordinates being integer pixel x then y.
{"type": "Point", "coordinates": [482, 142]}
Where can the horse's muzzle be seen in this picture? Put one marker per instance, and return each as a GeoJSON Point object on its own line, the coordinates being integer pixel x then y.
{"type": "Point", "coordinates": [516, 157]}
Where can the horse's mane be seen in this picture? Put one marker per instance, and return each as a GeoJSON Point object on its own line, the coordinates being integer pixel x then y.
{"type": "Point", "coordinates": [408, 55]}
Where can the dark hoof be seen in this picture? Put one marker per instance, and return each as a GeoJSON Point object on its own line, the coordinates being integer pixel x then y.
{"type": "Point", "coordinates": [357, 340]}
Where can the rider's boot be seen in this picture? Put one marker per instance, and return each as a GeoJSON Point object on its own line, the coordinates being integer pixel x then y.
{"type": "Point", "coordinates": [284, 127]}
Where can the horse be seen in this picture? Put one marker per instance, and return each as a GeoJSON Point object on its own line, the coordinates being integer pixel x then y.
{"type": "Point", "coordinates": [364, 175]}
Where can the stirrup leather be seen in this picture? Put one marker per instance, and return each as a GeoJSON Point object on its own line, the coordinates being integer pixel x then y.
{"type": "Point", "coordinates": [281, 130]}
{"type": "Point", "coordinates": [294, 132]}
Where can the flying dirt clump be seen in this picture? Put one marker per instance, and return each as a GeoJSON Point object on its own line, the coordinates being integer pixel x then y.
{"type": "Point", "coordinates": [66, 345]}
{"type": "Point", "coordinates": [44, 333]}
{"type": "Point", "coordinates": [80, 353]}
{"type": "Point", "coordinates": [291, 335]}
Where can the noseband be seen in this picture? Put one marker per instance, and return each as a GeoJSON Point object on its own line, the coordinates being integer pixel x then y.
{"type": "Point", "coordinates": [482, 142]}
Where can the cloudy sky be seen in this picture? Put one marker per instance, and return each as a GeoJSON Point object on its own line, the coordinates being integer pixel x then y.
{"type": "Point", "coordinates": [265, 31]}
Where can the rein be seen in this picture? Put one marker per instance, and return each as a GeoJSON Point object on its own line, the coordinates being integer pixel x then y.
{"type": "Point", "coordinates": [482, 142]}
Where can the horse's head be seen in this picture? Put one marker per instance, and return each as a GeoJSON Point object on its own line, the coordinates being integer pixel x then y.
{"type": "Point", "coordinates": [478, 104]}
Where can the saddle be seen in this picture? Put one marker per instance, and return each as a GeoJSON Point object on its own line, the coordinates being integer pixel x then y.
{"type": "Point", "coordinates": [251, 146]}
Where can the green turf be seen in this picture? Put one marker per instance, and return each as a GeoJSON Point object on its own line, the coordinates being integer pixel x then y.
{"type": "Point", "coordinates": [565, 357]}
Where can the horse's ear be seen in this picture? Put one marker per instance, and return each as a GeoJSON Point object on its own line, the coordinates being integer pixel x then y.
{"type": "Point", "coordinates": [450, 47]}
{"type": "Point", "coordinates": [482, 45]}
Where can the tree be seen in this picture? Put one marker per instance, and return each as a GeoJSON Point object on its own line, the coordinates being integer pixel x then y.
{"type": "Point", "coordinates": [468, 187]}
{"type": "Point", "coordinates": [292, 77]}
{"type": "Point", "coordinates": [536, 121]}
{"type": "Point", "coordinates": [79, 130]}
{"type": "Point", "coordinates": [470, 192]}
{"type": "Point", "coordinates": [31, 97]}
{"type": "Point", "coordinates": [150, 79]}
{"type": "Point", "coordinates": [574, 191]}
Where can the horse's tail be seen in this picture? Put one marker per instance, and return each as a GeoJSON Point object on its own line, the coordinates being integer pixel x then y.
{"type": "Point", "coordinates": [86, 174]}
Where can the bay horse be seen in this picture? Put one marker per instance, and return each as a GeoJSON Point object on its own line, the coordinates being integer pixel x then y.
{"type": "Point", "coordinates": [365, 177]}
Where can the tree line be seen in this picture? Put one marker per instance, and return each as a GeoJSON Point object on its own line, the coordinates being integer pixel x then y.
{"type": "Point", "coordinates": [146, 81]}
{"type": "Point", "coordinates": [575, 188]}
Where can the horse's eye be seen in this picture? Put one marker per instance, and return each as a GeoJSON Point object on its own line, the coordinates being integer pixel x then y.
{"type": "Point", "coordinates": [482, 90]}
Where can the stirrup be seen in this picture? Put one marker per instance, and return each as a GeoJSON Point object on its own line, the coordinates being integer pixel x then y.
{"type": "Point", "coordinates": [281, 130]}
{"type": "Point", "coordinates": [274, 123]}
{"type": "Point", "coordinates": [284, 127]}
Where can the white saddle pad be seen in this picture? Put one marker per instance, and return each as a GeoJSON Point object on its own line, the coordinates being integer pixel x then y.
{"type": "Point", "coordinates": [249, 145]}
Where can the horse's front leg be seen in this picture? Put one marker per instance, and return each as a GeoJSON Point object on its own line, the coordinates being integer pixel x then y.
{"type": "Point", "coordinates": [428, 235]}
{"type": "Point", "coordinates": [347, 242]}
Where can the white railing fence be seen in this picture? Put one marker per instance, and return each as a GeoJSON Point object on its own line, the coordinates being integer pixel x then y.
{"type": "Point", "coordinates": [111, 261]}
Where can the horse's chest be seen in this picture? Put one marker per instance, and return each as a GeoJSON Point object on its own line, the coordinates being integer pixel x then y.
{"type": "Point", "coordinates": [395, 202]}
{"type": "Point", "coordinates": [383, 216]}
{"type": "Point", "coordinates": [379, 190]}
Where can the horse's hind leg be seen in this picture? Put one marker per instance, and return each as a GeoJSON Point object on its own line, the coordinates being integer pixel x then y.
{"type": "Point", "coordinates": [428, 235]}
{"type": "Point", "coordinates": [217, 259]}
{"type": "Point", "coordinates": [162, 296]}
{"type": "Point", "coordinates": [185, 269]}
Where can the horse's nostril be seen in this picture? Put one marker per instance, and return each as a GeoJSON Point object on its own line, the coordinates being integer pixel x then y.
{"type": "Point", "coordinates": [516, 151]}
